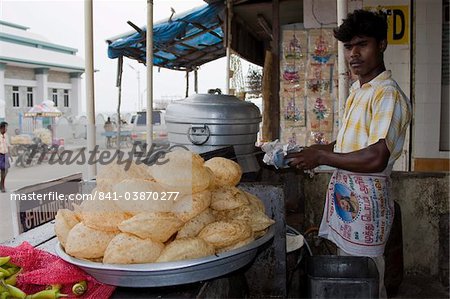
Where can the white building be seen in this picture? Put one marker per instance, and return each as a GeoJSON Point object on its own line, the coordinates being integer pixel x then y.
{"type": "Point", "coordinates": [32, 70]}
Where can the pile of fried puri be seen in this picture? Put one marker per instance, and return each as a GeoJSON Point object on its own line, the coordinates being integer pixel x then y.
{"type": "Point", "coordinates": [210, 214]}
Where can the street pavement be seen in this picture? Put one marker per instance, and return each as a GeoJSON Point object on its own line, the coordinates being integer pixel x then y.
{"type": "Point", "coordinates": [19, 177]}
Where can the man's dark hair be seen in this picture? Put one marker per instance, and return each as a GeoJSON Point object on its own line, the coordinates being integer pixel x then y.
{"type": "Point", "coordinates": [3, 124]}
{"type": "Point", "coordinates": [362, 23]}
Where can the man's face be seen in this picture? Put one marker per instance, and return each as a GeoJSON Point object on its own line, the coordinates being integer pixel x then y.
{"type": "Point", "coordinates": [364, 56]}
{"type": "Point", "coordinates": [345, 205]}
{"type": "Point", "coordinates": [3, 130]}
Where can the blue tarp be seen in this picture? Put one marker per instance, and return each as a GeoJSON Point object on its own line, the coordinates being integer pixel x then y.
{"type": "Point", "coordinates": [183, 43]}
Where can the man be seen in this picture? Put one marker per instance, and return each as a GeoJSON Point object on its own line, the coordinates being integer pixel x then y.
{"type": "Point", "coordinates": [109, 127]}
{"type": "Point", "coordinates": [376, 117]}
{"type": "Point", "coordinates": [4, 155]}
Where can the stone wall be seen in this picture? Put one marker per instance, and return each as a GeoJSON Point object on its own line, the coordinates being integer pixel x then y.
{"type": "Point", "coordinates": [13, 72]}
{"type": "Point", "coordinates": [59, 77]}
{"type": "Point", "coordinates": [423, 199]}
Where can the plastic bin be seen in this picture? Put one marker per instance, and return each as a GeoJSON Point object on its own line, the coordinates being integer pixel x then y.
{"type": "Point", "coordinates": [332, 276]}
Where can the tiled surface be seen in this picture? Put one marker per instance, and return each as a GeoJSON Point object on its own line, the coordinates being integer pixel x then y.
{"type": "Point", "coordinates": [428, 79]}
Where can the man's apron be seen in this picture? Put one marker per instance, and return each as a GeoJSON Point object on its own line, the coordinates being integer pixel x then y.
{"type": "Point", "coordinates": [358, 213]}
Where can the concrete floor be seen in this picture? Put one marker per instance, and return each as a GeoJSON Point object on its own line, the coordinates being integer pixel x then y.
{"type": "Point", "coordinates": [421, 286]}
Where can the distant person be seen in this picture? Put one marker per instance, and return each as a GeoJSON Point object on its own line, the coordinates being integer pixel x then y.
{"type": "Point", "coordinates": [109, 127]}
{"type": "Point", "coordinates": [4, 154]}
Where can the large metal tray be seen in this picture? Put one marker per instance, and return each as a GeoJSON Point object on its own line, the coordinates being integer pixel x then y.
{"type": "Point", "coordinates": [170, 273]}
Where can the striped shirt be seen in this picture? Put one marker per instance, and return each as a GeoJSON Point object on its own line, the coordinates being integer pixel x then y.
{"type": "Point", "coordinates": [376, 110]}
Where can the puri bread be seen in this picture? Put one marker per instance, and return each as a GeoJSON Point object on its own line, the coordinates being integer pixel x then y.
{"type": "Point", "coordinates": [86, 242]}
{"type": "Point", "coordinates": [191, 205]}
{"type": "Point", "coordinates": [159, 226]}
{"type": "Point", "coordinates": [129, 249]}
{"type": "Point", "coordinates": [64, 221]}
{"type": "Point", "coordinates": [236, 245]}
{"type": "Point", "coordinates": [77, 208]}
{"type": "Point", "coordinates": [226, 172]}
{"type": "Point", "coordinates": [227, 198]}
{"type": "Point", "coordinates": [185, 248]}
{"type": "Point", "coordinates": [182, 171]}
{"type": "Point", "coordinates": [255, 202]}
{"type": "Point", "coordinates": [135, 196]}
{"type": "Point", "coordinates": [180, 156]}
{"type": "Point", "coordinates": [225, 233]}
{"type": "Point", "coordinates": [114, 173]}
{"type": "Point", "coordinates": [256, 219]}
{"type": "Point", "coordinates": [196, 224]}
{"type": "Point", "coordinates": [103, 215]}
{"type": "Point", "coordinates": [260, 233]}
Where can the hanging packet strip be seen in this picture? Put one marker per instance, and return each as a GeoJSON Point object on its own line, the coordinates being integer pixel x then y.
{"type": "Point", "coordinates": [275, 153]}
{"type": "Point", "coordinates": [358, 213]}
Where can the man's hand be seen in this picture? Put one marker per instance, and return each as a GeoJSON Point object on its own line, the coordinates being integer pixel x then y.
{"type": "Point", "coordinates": [371, 159]}
{"type": "Point", "coordinates": [307, 159]}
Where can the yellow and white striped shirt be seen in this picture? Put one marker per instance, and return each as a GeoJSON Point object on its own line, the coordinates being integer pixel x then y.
{"type": "Point", "coordinates": [376, 110]}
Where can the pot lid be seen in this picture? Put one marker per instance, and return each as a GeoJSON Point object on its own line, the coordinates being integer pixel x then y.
{"type": "Point", "coordinates": [212, 108]}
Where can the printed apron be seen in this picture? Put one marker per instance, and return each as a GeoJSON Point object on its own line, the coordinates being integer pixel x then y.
{"type": "Point", "coordinates": [358, 213]}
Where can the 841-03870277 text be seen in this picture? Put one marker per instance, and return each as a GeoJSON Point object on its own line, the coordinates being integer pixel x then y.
{"type": "Point", "coordinates": [135, 195]}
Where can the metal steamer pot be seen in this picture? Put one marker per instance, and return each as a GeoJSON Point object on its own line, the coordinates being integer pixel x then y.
{"type": "Point", "coordinates": [206, 122]}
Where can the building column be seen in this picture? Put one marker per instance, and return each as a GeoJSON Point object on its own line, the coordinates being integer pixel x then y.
{"type": "Point", "coordinates": [42, 84]}
{"type": "Point", "coordinates": [75, 97]}
{"type": "Point", "coordinates": [2, 91]}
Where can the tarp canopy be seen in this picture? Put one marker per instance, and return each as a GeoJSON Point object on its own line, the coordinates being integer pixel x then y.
{"type": "Point", "coordinates": [45, 109]}
{"type": "Point", "coordinates": [181, 43]}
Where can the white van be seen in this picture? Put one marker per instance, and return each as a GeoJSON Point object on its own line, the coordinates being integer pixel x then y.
{"type": "Point", "coordinates": [138, 123]}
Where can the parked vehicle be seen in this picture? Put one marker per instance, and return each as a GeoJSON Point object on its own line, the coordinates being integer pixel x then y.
{"type": "Point", "coordinates": [138, 124]}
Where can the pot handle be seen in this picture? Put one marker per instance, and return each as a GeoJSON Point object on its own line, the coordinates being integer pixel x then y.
{"type": "Point", "coordinates": [198, 135]}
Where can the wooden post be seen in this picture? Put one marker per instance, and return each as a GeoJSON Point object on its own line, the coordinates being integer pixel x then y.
{"type": "Point", "coordinates": [119, 101]}
{"type": "Point", "coordinates": [275, 93]}
{"type": "Point", "coordinates": [342, 65]}
{"type": "Point", "coordinates": [187, 84]}
{"type": "Point", "coordinates": [90, 102]}
{"type": "Point", "coordinates": [149, 61]}
{"type": "Point", "coordinates": [266, 95]}
{"type": "Point", "coordinates": [196, 81]}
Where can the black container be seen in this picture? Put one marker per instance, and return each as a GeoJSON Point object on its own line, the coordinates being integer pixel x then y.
{"type": "Point", "coordinates": [331, 276]}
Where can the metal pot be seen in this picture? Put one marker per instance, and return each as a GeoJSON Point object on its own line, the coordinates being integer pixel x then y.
{"type": "Point", "coordinates": [205, 122]}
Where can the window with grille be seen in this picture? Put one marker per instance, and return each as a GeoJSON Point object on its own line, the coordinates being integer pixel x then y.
{"type": "Point", "coordinates": [55, 97]}
{"type": "Point", "coordinates": [15, 96]}
{"type": "Point", "coordinates": [29, 97]}
{"type": "Point", "coordinates": [66, 98]}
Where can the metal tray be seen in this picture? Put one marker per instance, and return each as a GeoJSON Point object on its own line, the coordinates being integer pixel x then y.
{"type": "Point", "coordinates": [170, 273]}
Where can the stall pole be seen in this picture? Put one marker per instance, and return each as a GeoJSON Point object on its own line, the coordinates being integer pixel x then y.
{"type": "Point", "coordinates": [196, 81]}
{"type": "Point", "coordinates": [342, 9]}
{"type": "Point", "coordinates": [186, 94]}
{"type": "Point", "coordinates": [228, 45]}
{"type": "Point", "coordinates": [119, 99]}
{"type": "Point", "coordinates": [149, 60]}
{"type": "Point", "coordinates": [90, 104]}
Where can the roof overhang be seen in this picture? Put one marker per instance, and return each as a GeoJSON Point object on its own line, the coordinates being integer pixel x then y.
{"type": "Point", "coordinates": [182, 43]}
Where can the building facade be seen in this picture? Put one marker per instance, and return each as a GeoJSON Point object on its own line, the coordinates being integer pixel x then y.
{"type": "Point", "coordinates": [32, 70]}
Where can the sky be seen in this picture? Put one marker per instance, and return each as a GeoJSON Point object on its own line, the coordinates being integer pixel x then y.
{"type": "Point", "coordinates": [62, 22]}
